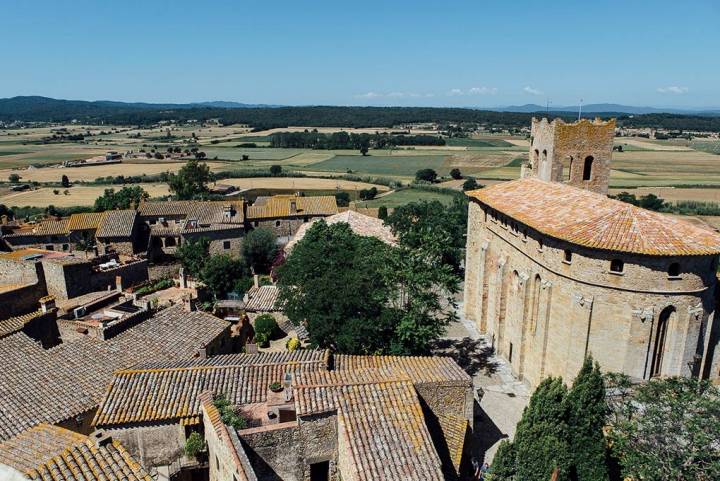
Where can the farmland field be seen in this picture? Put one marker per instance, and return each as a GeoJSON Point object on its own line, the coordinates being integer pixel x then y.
{"type": "Point", "coordinates": [405, 196]}
{"type": "Point", "coordinates": [76, 196]}
{"type": "Point", "coordinates": [394, 165]}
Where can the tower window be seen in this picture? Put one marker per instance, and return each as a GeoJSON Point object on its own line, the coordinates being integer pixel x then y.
{"type": "Point", "coordinates": [587, 169]}
{"type": "Point", "coordinates": [544, 157]}
{"type": "Point", "coordinates": [616, 266]}
{"type": "Point", "coordinates": [674, 270]}
{"type": "Point", "coordinates": [567, 256]}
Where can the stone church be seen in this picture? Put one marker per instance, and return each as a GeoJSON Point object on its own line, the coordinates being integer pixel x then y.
{"type": "Point", "coordinates": [557, 271]}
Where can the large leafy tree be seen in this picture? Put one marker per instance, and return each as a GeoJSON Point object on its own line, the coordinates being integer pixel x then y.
{"type": "Point", "coordinates": [125, 198]}
{"type": "Point", "coordinates": [414, 223]}
{"type": "Point", "coordinates": [359, 295]}
{"type": "Point", "coordinates": [191, 180]}
{"type": "Point", "coordinates": [193, 254]}
{"type": "Point", "coordinates": [221, 274]}
{"type": "Point", "coordinates": [259, 248]}
{"type": "Point", "coordinates": [666, 429]}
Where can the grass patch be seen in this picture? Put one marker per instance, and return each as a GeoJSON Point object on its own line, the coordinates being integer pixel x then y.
{"type": "Point", "coordinates": [516, 162]}
{"type": "Point", "coordinates": [406, 196]}
{"type": "Point", "coordinates": [702, 146]}
{"type": "Point", "coordinates": [397, 165]}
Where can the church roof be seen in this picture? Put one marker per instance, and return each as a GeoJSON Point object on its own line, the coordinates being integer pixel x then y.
{"type": "Point", "coordinates": [361, 224]}
{"type": "Point", "coordinates": [593, 220]}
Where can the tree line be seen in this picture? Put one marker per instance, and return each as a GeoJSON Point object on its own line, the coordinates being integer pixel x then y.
{"type": "Point", "coordinates": [343, 140]}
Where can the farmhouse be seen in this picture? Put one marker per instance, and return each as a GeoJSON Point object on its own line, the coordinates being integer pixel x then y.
{"type": "Point", "coordinates": [329, 417]}
{"type": "Point", "coordinates": [556, 271]}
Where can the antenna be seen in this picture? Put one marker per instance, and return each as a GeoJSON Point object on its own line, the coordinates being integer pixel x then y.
{"type": "Point", "coordinates": [547, 107]}
{"type": "Point", "coordinates": [580, 111]}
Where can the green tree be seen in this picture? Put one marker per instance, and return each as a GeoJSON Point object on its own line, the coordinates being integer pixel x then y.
{"type": "Point", "coordinates": [470, 184]}
{"type": "Point", "coordinates": [275, 170]}
{"type": "Point", "coordinates": [651, 202]}
{"type": "Point", "coordinates": [587, 415]}
{"type": "Point", "coordinates": [220, 274]}
{"type": "Point", "coordinates": [342, 199]}
{"type": "Point", "coordinates": [359, 295]}
{"type": "Point", "coordinates": [456, 174]}
{"type": "Point", "coordinates": [194, 444]}
{"type": "Point", "coordinates": [259, 248]}
{"type": "Point", "coordinates": [504, 463]}
{"type": "Point", "coordinates": [14, 178]}
{"type": "Point", "coordinates": [193, 254]}
{"type": "Point", "coordinates": [382, 212]}
{"type": "Point", "coordinates": [191, 180]}
{"type": "Point", "coordinates": [666, 429]}
{"type": "Point", "coordinates": [266, 325]}
{"type": "Point", "coordinates": [125, 198]}
{"type": "Point", "coordinates": [65, 181]}
{"type": "Point", "coordinates": [426, 175]}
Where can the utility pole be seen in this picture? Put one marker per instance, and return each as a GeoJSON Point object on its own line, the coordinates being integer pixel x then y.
{"type": "Point", "coordinates": [580, 111]}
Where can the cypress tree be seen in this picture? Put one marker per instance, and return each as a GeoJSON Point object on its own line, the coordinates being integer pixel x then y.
{"type": "Point", "coordinates": [587, 411]}
{"type": "Point", "coordinates": [504, 463]}
{"type": "Point", "coordinates": [541, 439]}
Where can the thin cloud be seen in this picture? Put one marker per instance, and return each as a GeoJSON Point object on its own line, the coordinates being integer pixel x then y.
{"type": "Point", "coordinates": [473, 91]}
{"type": "Point", "coordinates": [532, 91]}
{"type": "Point", "coordinates": [672, 89]}
{"type": "Point", "coordinates": [391, 95]}
{"type": "Point", "coordinates": [369, 95]}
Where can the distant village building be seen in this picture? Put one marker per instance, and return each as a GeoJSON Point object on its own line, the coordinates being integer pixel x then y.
{"type": "Point", "coordinates": [556, 271]}
{"type": "Point", "coordinates": [284, 214]}
{"type": "Point", "coordinates": [332, 417]}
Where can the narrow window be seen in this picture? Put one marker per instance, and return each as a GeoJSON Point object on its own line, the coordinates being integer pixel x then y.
{"type": "Point", "coordinates": [277, 223]}
{"type": "Point", "coordinates": [540, 244]}
{"type": "Point", "coordinates": [544, 157]}
{"type": "Point", "coordinates": [666, 316]}
{"type": "Point", "coordinates": [568, 173]}
{"type": "Point", "coordinates": [568, 256]}
{"type": "Point", "coordinates": [257, 223]}
{"type": "Point", "coordinates": [510, 353]}
{"type": "Point", "coordinates": [674, 270]}
{"type": "Point", "coordinates": [616, 266]}
{"type": "Point", "coordinates": [226, 245]}
{"type": "Point", "coordinates": [587, 169]}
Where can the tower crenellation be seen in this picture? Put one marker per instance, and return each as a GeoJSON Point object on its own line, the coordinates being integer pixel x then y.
{"type": "Point", "coordinates": [577, 153]}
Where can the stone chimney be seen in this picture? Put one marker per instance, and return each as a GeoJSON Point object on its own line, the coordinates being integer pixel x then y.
{"type": "Point", "coordinates": [256, 281]}
{"type": "Point", "coordinates": [188, 303]}
{"type": "Point", "coordinates": [293, 206]}
{"type": "Point", "coordinates": [47, 304]}
{"type": "Point", "coordinates": [119, 283]}
{"type": "Point", "coordinates": [227, 211]}
{"type": "Point", "coordinates": [100, 438]}
{"type": "Point", "coordinates": [287, 387]}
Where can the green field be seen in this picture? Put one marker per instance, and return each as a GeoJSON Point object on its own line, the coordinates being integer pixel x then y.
{"type": "Point", "coordinates": [406, 196]}
{"type": "Point", "coordinates": [395, 165]}
{"type": "Point", "coordinates": [234, 153]}
{"type": "Point", "coordinates": [478, 143]}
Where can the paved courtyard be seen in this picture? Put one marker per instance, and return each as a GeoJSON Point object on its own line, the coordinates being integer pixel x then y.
{"type": "Point", "coordinates": [500, 398]}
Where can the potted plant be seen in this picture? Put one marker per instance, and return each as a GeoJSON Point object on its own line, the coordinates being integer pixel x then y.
{"type": "Point", "coordinates": [276, 387]}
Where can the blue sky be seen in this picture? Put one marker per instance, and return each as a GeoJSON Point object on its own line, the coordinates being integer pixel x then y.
{"type": "Point", "coordinates": [393, 52]}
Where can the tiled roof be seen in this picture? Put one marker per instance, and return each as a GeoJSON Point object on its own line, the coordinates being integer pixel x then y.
{"type": "Point", "coordinates": [14, 324]}
{"type": "Point", "coordinates": [359, 223]}
{"type": "Point", "coordinates": [262, 299]}
{"type": "Point", "coordinates": [84, 221]}
{"type": "Point", "coordinates": [51, 453]}
{"type": "Point", "coordinates": [172, 394]}
{"type": "Point", "coordinates": [420, 369]}
{"type": "Point", "coordinates": [55, 384]}
{"type": "Point", "coordinates": [595, 221]}
{"type": "Point", "coordinates": [42, 228]}
{"type": "Point", "coordinates": [117, 223]}
{"type": "Point", "coordinates": [280, 206]}
{"type": "Point", "coordinates": [205, 212]}
{"type": "Point", "coordinates": [382, 429]}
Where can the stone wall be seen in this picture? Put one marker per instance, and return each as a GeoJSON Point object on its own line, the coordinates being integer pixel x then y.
{"type": "Point", "coordinates": [153, 445]}
{"type": "Point", "coordinates": [66, 280]}
{"type": "Point", "coordinates": [226, 455]}
{"type": "Point", "coordinates": [545, 314]}
{"type": "Point", "coordinates": [27, 279]}
{"type": "Point", "coordinates": [19, 272]}
{"type": "Point", "coordinates": [274, 451]}
{"type": "Point", "coordinates": [284, 228]}
{"type": "Point", "coordinates": [558, 152]}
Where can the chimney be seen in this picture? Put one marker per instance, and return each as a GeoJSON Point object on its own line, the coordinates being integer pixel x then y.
{"type": "Point", "coordinates": [187, 303]}
{"type": "Point", "coordinates": [118, 283]}
{"type": "Point", "coordinates": [293, 206]}
{"type": "Point", "coordinates": [287, 385]}
{"type": "Point", "coordinates": [227, 211]}
{"type": "Point", "coordinates": [4, 220]}
{"type": "Point", "coordinates": [47, 304]}
{"type": "Point", "coordinates": [101, 438]}
{"type": "Point", "coordinates": [256, 281]}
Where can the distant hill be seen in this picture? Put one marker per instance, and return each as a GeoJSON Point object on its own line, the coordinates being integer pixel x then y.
{"type": "Point", "coordinates": [260, 117]}
{"type": "Point", "coordinates": [606, 108]}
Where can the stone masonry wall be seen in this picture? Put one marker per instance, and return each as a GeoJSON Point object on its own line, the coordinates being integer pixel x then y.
{"type": "Point", "coordinates": [545, 315]}
{"type": "Point", "coordinates": [153, 446]}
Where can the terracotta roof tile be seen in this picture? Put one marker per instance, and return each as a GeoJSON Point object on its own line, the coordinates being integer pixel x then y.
{"type": "Point", "coordinates": [592, 220]}
{"type": "Point", "coordinates": [359, 223]}
{"type": "Point", "coordinates": [280, 206]}
{"type": "Point", "coordinates": [262, 299]}
{"type": "Point", "coordinates": [48, 452]}
{"type": "Point", "coordinates": [84, 221]}
{"type": "Point", "coordinates": [117, 223]}
{"type": "Point", "coordinates": [14, 324]}
{"type": "Point", "coordinates": [205, 212]}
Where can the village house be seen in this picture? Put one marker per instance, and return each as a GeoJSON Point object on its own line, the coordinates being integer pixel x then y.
{"type": "Point", "coordinates": [328, 418]}
{"type": "Point", "coordinates": [47, 452]}
{"type": "Point", "coordinates": [284, 214]}
{"type": "Point", "coordinates": [557, 271]}
{"type": "Point", "coordinates": [63, 385]}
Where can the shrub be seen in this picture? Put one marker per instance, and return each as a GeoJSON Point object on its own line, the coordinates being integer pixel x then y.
{"type": "Point", "coordinates": [382, 212]}
{"type": "Point", "coordinates": [262, 339]}
{"type": "Point", "coordinates": [275, 386]}
{"type": "Point", "coordinates": [228, 414]}
{"type": "Point", "coordinates": [265, 324]}
{"type": "Point", "coordinates": [194, 445]}
{"type": "Point", "coordinates": [293, 344]}
{"type": "Point", "coordinates": [275, 169]}
{"type": "Point", "coordinates": [470, 184]}
{"type": "Point", "coordinates": [427, 175]}
{"type": "Point", "coordinates": [456, 174]}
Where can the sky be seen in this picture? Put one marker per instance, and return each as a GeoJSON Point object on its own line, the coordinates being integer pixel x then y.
{"type": "Point", "coordinates": [479, 53]}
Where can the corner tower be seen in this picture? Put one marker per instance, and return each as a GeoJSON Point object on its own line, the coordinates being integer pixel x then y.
{"type": "Point", "coordinates": [576, 154]}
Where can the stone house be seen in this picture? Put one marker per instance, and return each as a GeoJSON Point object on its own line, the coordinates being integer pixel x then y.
{"type": "Point", "coordinates": [82, 227]}
{"type": "Point", "coordinates": [119, 232]}
{"type": "Point", "coordinates": [556, 271]}
{"type": "Point", "coordinates": [284, 214]}
{"type": "Point", "coordinates": [48, 234]}
{"type": "Point", "coordinates": [334, 417]}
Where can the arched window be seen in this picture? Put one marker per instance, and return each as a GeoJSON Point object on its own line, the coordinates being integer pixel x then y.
{"type": "Point", "coordinates": [616, 266]}
{"type": "Point", "coordinates": [587, 169]}
{"type": "Point", "coordinates": [674, 270]}
{"type": "Point", "coordinates": [666, 316]}
{"type": "Point", "coordinates": [544, 156]}
{"type": "Point", "coordinates": [536, 157]}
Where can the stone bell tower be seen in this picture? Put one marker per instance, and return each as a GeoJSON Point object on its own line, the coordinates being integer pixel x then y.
{"type": "Point", "coordinates": [576, 154]}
